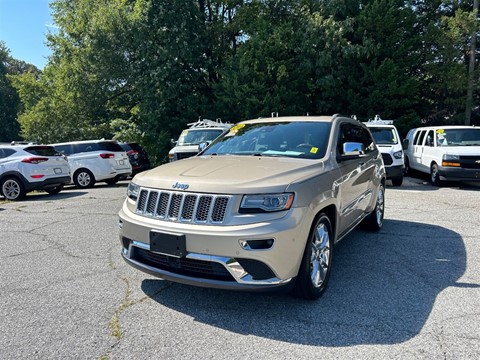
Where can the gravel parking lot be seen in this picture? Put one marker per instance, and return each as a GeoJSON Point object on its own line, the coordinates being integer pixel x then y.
{"type": "Point", "coordinates": [411, 291]}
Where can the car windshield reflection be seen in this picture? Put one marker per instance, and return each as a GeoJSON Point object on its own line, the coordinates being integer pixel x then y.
{"type": "Point", "coordinates": [306, 140]}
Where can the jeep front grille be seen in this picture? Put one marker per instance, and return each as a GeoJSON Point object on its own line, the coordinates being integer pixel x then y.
{"type": "Point", "coordinates": [182, 207]}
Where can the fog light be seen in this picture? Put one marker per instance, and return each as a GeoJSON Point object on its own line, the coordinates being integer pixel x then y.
{"type": "Point", "coordinates": [263, 244]}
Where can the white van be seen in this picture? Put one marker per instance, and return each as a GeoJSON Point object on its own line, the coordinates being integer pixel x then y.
{"type": "Point", "coordinates": [444, 152]}
{"type": "Point", "coordinates": [202, 131]}
{"type": "Point", "coordinates": [387, 138]}
{"type": "Point", "coordinates": [95, 160]}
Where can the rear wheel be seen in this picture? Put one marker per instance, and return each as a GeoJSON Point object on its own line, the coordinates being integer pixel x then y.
{"type": "Point", "coordinates": [13, 189]}
{"type": "Point", "coordinates": [316, 263]}
{"type": "Point", "coordinates": [54, 190]}
{"type": "Point", "coordinates": [83, 178]}
{"type": "Point", "coordinates": [435, 176]}
{"type": "Point", "coordinates": [374, 221]}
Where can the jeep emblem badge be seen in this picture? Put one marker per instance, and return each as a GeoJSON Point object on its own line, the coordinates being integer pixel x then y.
{"type": "Point", "coordinates": [180, 186]}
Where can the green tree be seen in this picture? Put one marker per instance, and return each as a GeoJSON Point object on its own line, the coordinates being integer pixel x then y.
{"type": "Point", "coordinates": [9, 101]}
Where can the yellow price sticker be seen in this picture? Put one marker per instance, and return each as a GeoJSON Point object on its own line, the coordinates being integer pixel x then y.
{"type": "Point", "coordinates": [313, 150]}
{"type": "Point", "coordinates": [440, 131]}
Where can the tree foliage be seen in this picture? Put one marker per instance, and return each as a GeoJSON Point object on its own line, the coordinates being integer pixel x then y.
{"type": "Point", "coordinates": [140, 70]}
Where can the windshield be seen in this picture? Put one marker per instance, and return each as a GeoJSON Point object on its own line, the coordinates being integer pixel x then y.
{"type": "Point", "coordinates": [195, 137]}
{"type": "Point", "coordinates": [458, 137]}
{"type": "Point", "coordinates": [307, 140]}
{"type": "Point", "coordinates": [384, 136]}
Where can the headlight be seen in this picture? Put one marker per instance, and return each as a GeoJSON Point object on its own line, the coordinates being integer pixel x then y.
{"type": "Point", "coordinates": [132, 191]}
{"type": "Point", "coordinates": [451, 160]}
{"type": "Point", "coordinates": [266, 202]}
{"type": "Point", "coordinates": [398, 154]}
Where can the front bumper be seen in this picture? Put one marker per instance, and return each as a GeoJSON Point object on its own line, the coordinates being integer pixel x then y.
{"type": "Point", "coordinates": [215, 256]}
{"type": "Point", "coordinates": [458, 174]}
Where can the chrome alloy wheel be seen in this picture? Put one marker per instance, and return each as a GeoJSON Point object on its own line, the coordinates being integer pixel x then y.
{"type": "Point", "coordinates": [84, 179]}
{"type": "Point", "coordinates": [11, 189]}
{"type": "Point", "coordinates": [320, 258]}
{"type": "Point", "coordinates": [380, 208]}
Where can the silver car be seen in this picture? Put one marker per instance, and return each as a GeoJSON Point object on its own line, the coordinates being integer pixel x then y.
{"type": "Point", "coordinates": [259, 209]}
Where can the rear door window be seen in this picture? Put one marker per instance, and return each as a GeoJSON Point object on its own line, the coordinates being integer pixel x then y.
{"type": "Point", "coordinates": [42, 150]}
{"type": "Point", "coordinates": [109, 146]}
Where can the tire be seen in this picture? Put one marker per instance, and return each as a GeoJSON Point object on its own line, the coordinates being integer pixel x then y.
{"type": "Point", "coordinates": [314, 272]}
{"type": "Point", "coordinates": [84, 178]}
{"type": "Point", "coordinates": [111, 181]}
{"type": "Point", "coordinates": [374, 221]}
{"type": "Point", "coordinates": [397, 181]}
{"type": "Point", "coordinates": [13, 189]}
{"type": "Point", "coordinates": [408, 169]}
{"type": "Point", "coordinates": [435, 176]}
{"type": "Point", "coordinates": [54, 190]}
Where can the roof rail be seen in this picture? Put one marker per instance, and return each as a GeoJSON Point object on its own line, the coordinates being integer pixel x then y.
{"type": "Point", "coordinates": [206, 123]}
{"type": "Point", "coordinates": [378, 120]}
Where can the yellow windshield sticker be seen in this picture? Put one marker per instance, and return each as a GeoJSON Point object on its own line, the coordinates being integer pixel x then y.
{"type": "Point", "coordinates": [184, 132]}
{"type": "Point", "coordinates": [313, 150]}
{"type": "Point", "coordinates": [440, 131]}
{"type": "Point", "coordinates": [234, 129]}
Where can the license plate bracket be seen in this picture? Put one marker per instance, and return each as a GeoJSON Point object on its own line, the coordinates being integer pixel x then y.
{"type": "Point", "coordinates": [57, 170]}
{"type": "Point", "coordinates": [168, 243]}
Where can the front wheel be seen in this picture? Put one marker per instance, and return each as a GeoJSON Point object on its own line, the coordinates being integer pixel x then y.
{"type": "Point", "coordinates": [397, 181]}
{"type": "Point", "coordinates": [13, 189]}
{"type": "Point", "coordinates": [312, 278]}
{"type": "Point", "coordinates": [374, 221]}
{"type": "Point", "coordinates": [435, 176]}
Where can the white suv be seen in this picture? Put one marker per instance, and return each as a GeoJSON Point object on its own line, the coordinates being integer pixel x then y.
{"type": "Point", "coordinates": [33, 167]}
{"type": "Point", "coordinates": [388, 141]}
{"type": "Point", "coordinates": [444, 152]}
{"type": "Point", "coordinates": [95, 160]}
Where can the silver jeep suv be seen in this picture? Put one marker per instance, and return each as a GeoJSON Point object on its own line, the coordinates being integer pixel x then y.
{"type": "Point", "coordinates": [258, 209]}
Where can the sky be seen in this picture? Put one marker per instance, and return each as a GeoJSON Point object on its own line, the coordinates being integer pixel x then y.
{"type": "Point", "coordinates": [23, 28]}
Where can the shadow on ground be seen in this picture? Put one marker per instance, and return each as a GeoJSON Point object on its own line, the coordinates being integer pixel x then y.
{"type": "Point", "coordinates": [382, 290]}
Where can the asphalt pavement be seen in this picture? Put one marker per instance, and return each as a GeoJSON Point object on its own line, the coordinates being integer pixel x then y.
{"type": "Point", "coordinates": [411, 291]}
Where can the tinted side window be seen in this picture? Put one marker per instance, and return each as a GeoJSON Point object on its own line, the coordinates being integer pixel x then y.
{"type": "Point", "coordinates": [42, 150]}
{"type": "Point", "coordinates": [429, 141]}
{"type": "Point", "coordinates": [64, 149]}
{"type": "Point", "coordinates": [109, 146]}
{"type": "Point", "coordinates": [6, 153]}
{"type": "Point", "coordinates": [355, 133]}
{"type": "Point", "coordinates": [420, 138]}
{"type": "Point", "coordinates": [84, 147]}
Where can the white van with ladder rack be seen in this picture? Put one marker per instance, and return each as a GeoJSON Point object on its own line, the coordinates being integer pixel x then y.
{"type": "Point", "coordinates": [201, 131]}
{"type": "Point", "coordinates": [388, 141]}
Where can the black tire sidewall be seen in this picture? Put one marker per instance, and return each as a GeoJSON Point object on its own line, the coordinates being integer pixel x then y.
{"type": "Point", "coordinates": [303, 286]}
{"type": "Point", "coordinates": [90, 184]}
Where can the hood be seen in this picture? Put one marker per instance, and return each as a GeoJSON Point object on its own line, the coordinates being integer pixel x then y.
{"type": "Point", "coordinates": [462, 150]}
{"type": "Point", "coordinates": [229, 174]}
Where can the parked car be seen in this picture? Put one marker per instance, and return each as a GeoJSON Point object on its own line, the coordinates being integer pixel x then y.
{"type": "Point", "coordinates": [137, 156]}
{"type": "Point", "coordinates": [202, 131]}
{"type": "Point", "coordinates": [95, 160]}
{"type": "Point", "coordinates": [444, 152]}
{"type": "Point", "coordinates": [388, 141]}
{"type": "Point", "coordinates": [258, 209]}
{"type": "Point", "coordinates": [24, 168]}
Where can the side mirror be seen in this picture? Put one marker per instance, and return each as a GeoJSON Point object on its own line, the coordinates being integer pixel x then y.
{"type": "Point", "coordinates": [173, 142]}
{"type": "Point", "coordinates": [351, 150]}
{"type": "Point", "coordinates": [202, 146]}
{"type": "Point", "coordinates": [405, 144]}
